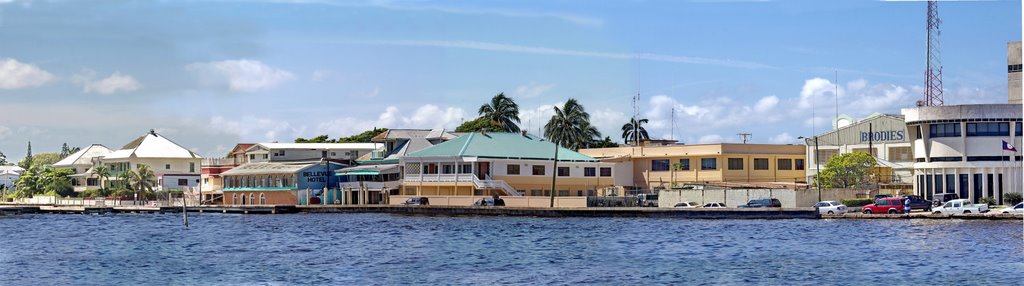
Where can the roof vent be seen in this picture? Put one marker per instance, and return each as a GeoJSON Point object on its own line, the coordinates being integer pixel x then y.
{"type": "Point", "coordinates": [153, 132]}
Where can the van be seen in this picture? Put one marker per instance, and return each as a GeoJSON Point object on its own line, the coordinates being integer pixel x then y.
{"type": "Point", "coordinates": [763, 203]}
{"type": "Point", "coordinates": [647, 200]}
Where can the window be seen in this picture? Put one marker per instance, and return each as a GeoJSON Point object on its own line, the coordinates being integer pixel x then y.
{"type": "Point", "coordinates": [685, 164]}
{"type": "Point", "coordinates": [206, 180]}
{"type": "Point", "coordinates": [538, 170]}
{"type": "Point", "coordinates": [825, 155]}
{"type": "Point", "coordinates": [563, 193]}
{"type": "Point", "coordinates": [430, 168]}
{"type": "Point", "coordinates": [252, 156]}
{"type": "Point", "coordinates": [760, 163]}
{"type": "Point", "coordinates": [944, 130]}
{"type": "Point", "coordinates": [988, 158]}
{"type": "Point", "coordinates": [589, 172]}
{"type": "Point", "coordinates": [466, 168]}
{"type": "Point", "coordinates": [563, 171]}
{"type": "Point", "coordinates": [334, 154]}
{"type": "Point", "coordinates": [166, 166]}
{"type": "Point", "coordinates": [1013, 68]}
{"type": "Point", "coordinates": [263, 199]}
{"type": "Point", "coordinates": [192, 167]}
{"type": "Point", "coordinates": [447, 169]}
{"type": "Point", "coordinates": [946, 159]}
{"type": "Point", "coordinates": [183, 182]}
{"type": "Point", "coordinates": [91, 182]}
{"type": "Point", "coordinates": [735, 163]}
{"type": "Point", "coordinates": [281, 152]}
{"type": "Point", "coordinates": [784, 164]}
{"type": "Point", "coordinates": [264, 156]}
{"type": "Point", "coordinates": [1019, 129]}
{"type": "Point", "coordinates": [900, 154]}
{"type": "Point", "coordinates": [659, 165]}
{"type": "Point", "coordinates": [799, 164]}
{"type": "Point", "coordinates": [988, 129]}
{"type": "Point", "coordinates": [512, 169]}
{"type": "Point", "coordinates": [709, 164]}
{"type": "Point", "coordinates": [606, 171]}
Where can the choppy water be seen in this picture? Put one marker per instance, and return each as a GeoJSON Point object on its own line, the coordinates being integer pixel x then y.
{"type": "Point", "coordinates": [366, 249]}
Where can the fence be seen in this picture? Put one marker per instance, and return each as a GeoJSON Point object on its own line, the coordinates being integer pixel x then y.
{"type": "Point", "coordinates": [790, 198]}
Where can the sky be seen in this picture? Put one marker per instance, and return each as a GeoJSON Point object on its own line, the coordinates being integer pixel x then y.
{"type": "Point", "coordinates": [210, 74]}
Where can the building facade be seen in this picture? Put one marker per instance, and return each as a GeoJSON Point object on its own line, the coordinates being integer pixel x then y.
{"type": "Point", "coordinates": [82, 163]}
{"type": "Point", "coordinates": [663, 167]}
{"type": "Point", "coordinates": [1013, 72]}
{"type": "Point", "coordinates": [378, 174]}
{"type": "Point", "coordinates": [505, 164]}
{"type": "Point", "coordinates": [282, 183]}
{"type": "Point", "coordinates": [959, 149]}
{"type": "Point", "coordinates": [883, 136]}
{"type": "Point", "coordinates": [212, 186]}
{"type": "Point", "coordinates": [9, 176]}
{"type": "Point", "coordinates": [175, 167]}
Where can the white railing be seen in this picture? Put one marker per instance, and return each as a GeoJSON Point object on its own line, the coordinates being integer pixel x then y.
{"type": "Point", "coordinates": [371, 185]}
{"type": "Point", "coordinates": [466, 178]}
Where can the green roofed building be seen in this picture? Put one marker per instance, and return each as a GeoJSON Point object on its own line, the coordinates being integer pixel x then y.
{"type": "Point", "coordinates": [505, 164]}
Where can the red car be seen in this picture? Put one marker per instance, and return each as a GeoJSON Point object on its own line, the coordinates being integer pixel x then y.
{"type": "Point", "coordinates": [885, 205]}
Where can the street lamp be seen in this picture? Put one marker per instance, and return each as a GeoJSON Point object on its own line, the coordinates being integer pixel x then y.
{"type": "Point", "coordinates": [817, 165]}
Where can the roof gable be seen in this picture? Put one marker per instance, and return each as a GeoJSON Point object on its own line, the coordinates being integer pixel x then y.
{"type": "Point", "coordinates": [84, 156]}
{"type": "Point", "coordinates": [152, 145]}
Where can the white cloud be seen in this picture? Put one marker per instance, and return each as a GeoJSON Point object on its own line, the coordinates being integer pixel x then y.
{"type": "Point", "coordinates": [427, 116]}
{"type": "Point", "coordinates": [241, 75]}
{"type": "Point", "coordinates": [319, 75]}
{"type": "Point", "coordinates": [255, 128]}
{"type": "Point", "coordinates": [4, 132]}
{"type": "Point", "coordinates": [532, 90]}
{"type": "Point", "coordinates": [17, 75]}
{"type": "Point", "coordinates": [766, 103]}
{"type": "Point", "coordinates": [857, 99]}
{"type": "Point", "coordinates": [485, 46]}
{"type": "Point", "coordinates": [783, 138]}
{"type": "Point", "coordinates": [711, 138]}
{"type": "Point", "coordinates": [116, 82]}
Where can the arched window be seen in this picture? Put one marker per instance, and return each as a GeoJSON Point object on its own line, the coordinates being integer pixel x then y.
{"type": "Point", "coordinates": [234, 199]}
{"type": "Point", "coordinates": [243, 200]}
{"type": "Point", "coordinates": [252, 199]}
{"type": "Point", "coordinates": [263, 199]}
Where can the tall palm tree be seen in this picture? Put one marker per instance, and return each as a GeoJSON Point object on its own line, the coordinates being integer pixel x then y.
{"type": "Point", "coordinates": [570, 126]}
{"type": "Point", "coordinates": [142, 180]}
{"type": "Point", "coordinates": [590, 133]}
{"type": "Point", "coordinates": [502, 112]}
{"type": "Point", "coordinates": [102, 172]}
{"type": "Point", "coordinates": [634, 131]}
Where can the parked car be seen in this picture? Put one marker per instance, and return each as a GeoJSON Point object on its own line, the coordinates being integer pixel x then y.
{"type": "Point", "coordinates": [916, 202]}
{"type": "Point", "coordinates": [960, 206]}
{"type": "Point", "coordinates": [417, 201]}
{"type": "Point", "coordinates": [884, 205]}
{"type": "Point", "coordinates": [763, 203]}
{"type": "Point", "coordinates": [940, 199]}
{"type": "Point", "coordinates": [647, 200]}
{"type": "Point", "coordinates": [1017, 209]}
{"type": "Point", "coordinates": [714, 206]}
{"type": "Point", "coordinates": [686, 205]}
{"type": "Point", "coordinates": [830, 207]}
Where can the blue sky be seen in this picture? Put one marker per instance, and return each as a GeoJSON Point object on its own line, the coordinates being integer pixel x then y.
{"type": "Point", "coordinates": [209, 74]}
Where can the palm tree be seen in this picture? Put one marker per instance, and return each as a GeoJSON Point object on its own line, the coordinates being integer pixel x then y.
{"type": "Point", "coordinates": [142, 180]}
{"type": "Point", "coordinates": [590, 133]}
{"type": "Point", "coordinates": [102, 172]}
{"type": "Point", "coordinates": [675, 167]}
{"type": "Point", "coordinates": [502, 112]}
{"type": "Point", "coordinates": [570, 126]}
{"type": "Point", "coordinates": [634, 131]}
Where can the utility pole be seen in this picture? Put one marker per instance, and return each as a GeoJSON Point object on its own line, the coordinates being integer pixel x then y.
{"type": "Point", "coordinates": [744, 136]}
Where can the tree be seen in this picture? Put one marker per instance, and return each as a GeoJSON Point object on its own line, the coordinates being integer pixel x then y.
{"type": "Point", "coordinates": [676, 167]}
{"type": "Point", "coordinates": [318, 139]}
{"type": "Point", "coordinates": [43, 159]}
{"type": "Point", "coordinates": [363, 137]}
{"type": "Point", "coordinates": [503, 112]}
{"type": "Point", "coordinates": [56, 182]}
{"type": "Point", "coordinates": [849, 170]}
{"type": "Point", "coordinates": [28, 184]}
{"type": "Point", "coordinates": [590, 133]}
{"type": "Point", "coordinates": [27, 162]}
{"type": "Point", "coordinates": [142, 180]}
{"type": "Point", "coordinates": [605, 143]}
{"type": "Point", "coordinates": [66, 151]}
{"type": "Point", "coordinates": [634, 131]}
{"type": "Point", "coordinates": [479, 124]}
{"type": "Point", "coordinates": [570, 126]}
{"type": "Point", "coordinates": [102, 173]}
{"type": "Point", "coordinates": [3, 159]}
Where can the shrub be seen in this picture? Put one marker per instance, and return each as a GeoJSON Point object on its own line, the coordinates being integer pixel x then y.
{"type": "Point", "coordinates": [987, 201]}
{"type": "Point", "coordinates": [1012, 198]}
{"type": "Point", "coordinates": [857, 202]}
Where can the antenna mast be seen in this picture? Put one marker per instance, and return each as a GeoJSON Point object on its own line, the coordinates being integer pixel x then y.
{"type": "Point", "coordinates": [933, 66]}
{"type": "Point", "coordinates": [745, 136]}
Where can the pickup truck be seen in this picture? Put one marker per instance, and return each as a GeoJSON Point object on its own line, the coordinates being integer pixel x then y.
{"type": "Point", "coordinates": [960, 206]}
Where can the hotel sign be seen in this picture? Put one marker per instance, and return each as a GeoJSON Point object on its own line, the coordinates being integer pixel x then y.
{"type": "Point", "coordinates": [881, 136]}
{"type": "Point", "coordinates": [316, 176]}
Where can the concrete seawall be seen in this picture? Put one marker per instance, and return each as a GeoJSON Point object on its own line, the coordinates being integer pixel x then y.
{"type": "Point", "coordinates": [804, 213]}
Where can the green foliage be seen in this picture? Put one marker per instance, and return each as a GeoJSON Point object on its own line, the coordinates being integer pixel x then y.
{"type": "Point", "coordinates": [142, 180]}
{"type": "Point", "coordinates": [503, 112]}
{"type": "Point", "coordinates": [358, 138]}
{"type": "Point", "coordinates": [477, 125]}
{"type": "Point", "coordinates": [66, 151]}
{"type": "Point", "coordinates": [849, 170]}
{"type": "Point", "coordinates": [27, 162]}
{"type": "Point", "coordinates": [318, 139]}
{"type": "Point", "coordinates": [40, 179]}
{"type": "Point", "coordinates": [634, 131]}
{"type": "Point", "coordinates": [42, 159]}
{"type": "Point", "coordinates": [570, 126]}
{"type": "Point", "coordinates": [1012, 198]}
{"type": "Point", "coordinates": [3, 159]}
{"type": "Point", "coordinates": [987, 201]}
{"type": "Point", "coordinates": [857, 202]}
{"type": "Point", "coordinates": [606, 143]}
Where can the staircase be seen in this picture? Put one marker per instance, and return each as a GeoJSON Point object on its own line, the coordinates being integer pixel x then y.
{"type": "Point", "coordinates": [496, 184]}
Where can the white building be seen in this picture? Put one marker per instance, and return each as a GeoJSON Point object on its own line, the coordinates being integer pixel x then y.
{"type": "Point", "coordinates": [9, 176]}
{"type": "Point", "coordinates": [337, 152]}
{"type": "Point", "coordinates": [884, 136]}
{"type": "Point", "coordinates": [174, 166]}
{"type": "Point", "coordinates": [959, 149]}
{"type": "Point", "coordinates": [81, 164]}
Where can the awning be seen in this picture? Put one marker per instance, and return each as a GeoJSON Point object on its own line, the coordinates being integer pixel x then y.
{"type": "Point", "coordinates": [369, 170]}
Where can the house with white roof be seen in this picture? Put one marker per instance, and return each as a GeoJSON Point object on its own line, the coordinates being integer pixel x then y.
{"type": "Point", "coordinates": [175, 166]}
{"type": "Point", "coordinates": [9, 176]}
{"type": "Point", "coordinates": [81, 163]}
{"type": "Point", "coordinates": [346, 153]}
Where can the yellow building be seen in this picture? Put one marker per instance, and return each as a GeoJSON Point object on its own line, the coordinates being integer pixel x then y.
{"type": "Point", "coordinates": [655, 167]}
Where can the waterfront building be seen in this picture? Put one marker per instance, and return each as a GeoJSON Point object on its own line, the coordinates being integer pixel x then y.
{"type": "Point", "coordinates": [960, 149]}
{"type": "Point", "coordinates": [378, 173]}
{"type": "Point", "coordinates": [883, 136]}
{"type": "Point", "coordinates": [81, 163]}
{"type": "Point", "coordinates": [346, 153]}
{"type": "Point", "coordinates": [667, 166]}
{"type": "Point", "coordinates": [175, 167]}
{"type": "Point", "coordinates": [212, 186]}
{"type": "Point", "coordinates": [282, 183]}
{"type": "Point", "coordinates": [505, 164]}
{"type": "Point", "coordinates": [9, 175]}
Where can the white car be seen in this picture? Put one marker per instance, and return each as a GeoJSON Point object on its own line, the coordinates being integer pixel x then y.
{"type": "Point", "coordinates": [830, 207]}
{"type": "Point", "coordinates": [960, 206]}
{"type": "Point", "coordinates": [1017, 209]}
{"type": "Point", "coordinates": [714, 206]}
{"type": "Point", "coordinates": [687, 205]}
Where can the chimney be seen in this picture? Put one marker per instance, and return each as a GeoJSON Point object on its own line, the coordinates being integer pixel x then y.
{"type": "Point", "coordinates": [524, 133]}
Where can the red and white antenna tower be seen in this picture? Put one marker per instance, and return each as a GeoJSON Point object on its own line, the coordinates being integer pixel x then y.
{"type": "Point", "coordinates": [933, 67]}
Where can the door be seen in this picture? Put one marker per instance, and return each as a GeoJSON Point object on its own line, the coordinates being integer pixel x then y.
{"type": "Point", "coordinates": [483, 169]}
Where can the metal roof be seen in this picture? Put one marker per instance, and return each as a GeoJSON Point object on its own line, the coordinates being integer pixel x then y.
{"type": "Point", "coordinates": [272, 168]}
{"type": "Point", "coordinates": [152, 145]}
{"type": "Point", "coordinates": [318, 146]}
{"type": "Point", "coordinates": [502, 146]}
{"type": "Point", "coordinates": [83, 157]}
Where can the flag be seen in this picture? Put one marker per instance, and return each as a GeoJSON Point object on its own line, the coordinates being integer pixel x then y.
{"type": "Point", "coordinates": [1008, 147]}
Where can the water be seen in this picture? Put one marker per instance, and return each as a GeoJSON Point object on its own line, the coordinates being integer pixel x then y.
{"type": "Point", "coordinates": [370, 249]}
